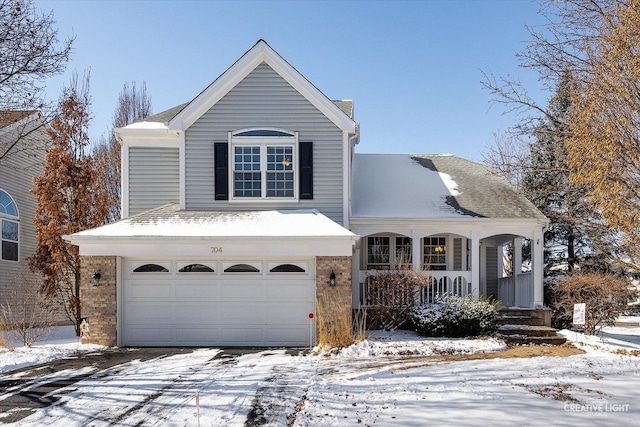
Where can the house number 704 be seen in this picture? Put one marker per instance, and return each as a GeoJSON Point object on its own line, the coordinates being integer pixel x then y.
{"type": "Point", "coordinates": [216, 249]}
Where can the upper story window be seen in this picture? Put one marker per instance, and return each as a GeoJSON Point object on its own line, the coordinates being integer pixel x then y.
{"type": "Point", "coordinates": [9, 220]}
{"type": "Point", "coordinates": [263, 165]}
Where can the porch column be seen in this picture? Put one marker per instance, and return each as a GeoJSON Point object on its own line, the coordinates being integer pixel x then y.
{"type": "Point", "coordinates": [517, 256]}
{"type": "Point", "coordinates": [516, 265]}
{"type": "Point", "coordinates": [416, 252]}
{"type": "Point", "coordinates": [537, 267]}
{"type": "Point", "coordinates": [475, 266]}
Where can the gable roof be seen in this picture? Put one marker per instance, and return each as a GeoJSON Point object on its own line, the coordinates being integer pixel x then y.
{"type": "Point", "coordinates": [260, 53]}
{"type": "Point", "coordinates": [433, 186]}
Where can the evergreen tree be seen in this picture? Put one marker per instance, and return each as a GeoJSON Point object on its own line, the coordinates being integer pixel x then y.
{"type": "Point", "coordinates": [575, 232]}
{"type": "Point", "coordinates": [67, 200]}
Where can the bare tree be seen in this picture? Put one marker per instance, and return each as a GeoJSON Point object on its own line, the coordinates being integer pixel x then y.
{"type": "Point", "coordinates": [509, 156]}
{"type": "Point", "coordinates": [134, 104]}
{"type": "Point", "coordinates": [565, 52]}
{"type": "Point", "coordinates": [30, 52]}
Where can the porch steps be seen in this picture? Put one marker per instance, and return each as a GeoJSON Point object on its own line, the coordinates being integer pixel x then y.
{"type": "Point", "coordinates": [525, 326]}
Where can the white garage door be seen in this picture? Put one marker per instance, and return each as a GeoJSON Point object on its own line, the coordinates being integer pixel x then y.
{"type": "Point", "coordinates": [217, 303]}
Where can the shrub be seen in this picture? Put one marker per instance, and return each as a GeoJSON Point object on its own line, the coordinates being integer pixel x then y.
{"type": "Point", "coordinates": [453, 316]}
{"type": "Point", "coordinates": [390, 295]}
{"type": "Point", "coordinates": [26, 314]}
{"type": "Point", "coordinates": [606, 297]}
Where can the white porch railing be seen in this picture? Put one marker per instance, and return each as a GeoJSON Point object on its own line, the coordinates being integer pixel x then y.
{"type": "Point", "coordinates": [516, 291]}
{"type": "Point", "coordinates": [439, 283]}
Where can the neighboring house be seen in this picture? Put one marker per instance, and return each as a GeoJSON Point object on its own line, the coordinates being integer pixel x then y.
{"type": "Point", "coordinates": [246, 210]}
{"type": "Point", "coordinates": [22, 147]}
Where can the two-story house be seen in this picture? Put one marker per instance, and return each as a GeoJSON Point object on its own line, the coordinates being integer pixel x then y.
{"type": "Point", "coordinates": [247, 211]}
{"type": "Point", "coordinates": [22, 148]}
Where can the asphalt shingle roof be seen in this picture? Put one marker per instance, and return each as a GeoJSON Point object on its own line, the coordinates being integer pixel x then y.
{"type": "Point", "coordinates": [432, 186]}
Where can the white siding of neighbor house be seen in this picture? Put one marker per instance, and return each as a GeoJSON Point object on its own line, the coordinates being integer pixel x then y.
{"type": "Point", "coordinates": [154, 178]}
{"type": "Point", "coordinates": [17, 171]}
{"type": "Point", "coordinates": [264, 99]}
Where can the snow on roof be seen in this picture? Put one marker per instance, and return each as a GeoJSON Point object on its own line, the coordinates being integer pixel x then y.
{"type": "Point", "coordinates": [398, 186]}
{"type": "Point", "coordinates": [433, 186]}
{"type": "Point", "coordinates": [170, 221]}
{"type": "Point", "coordinates": [147, 125]}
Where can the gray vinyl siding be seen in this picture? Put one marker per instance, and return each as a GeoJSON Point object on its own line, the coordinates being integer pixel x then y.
{"type": "Point", "coordinates": [264, 99]}
{"type": "Point", "coordinates": [16, 178]}
{"type": "Point", "coordinates": [154, 178]}
{"type": "Point", "coordinates": [492, 271]}
{"type": "Point", "coordinates": [457, 254]}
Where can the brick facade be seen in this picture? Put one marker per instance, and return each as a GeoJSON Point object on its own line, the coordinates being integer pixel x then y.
{"type": "Point", "coordinates": [333, 303]}
{"type": "Point", "coordinates": [98, 297]}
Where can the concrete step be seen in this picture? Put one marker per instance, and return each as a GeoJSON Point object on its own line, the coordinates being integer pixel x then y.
{"type": "Point", "coordinates": [527, 330]}
{"type": "Point", "coordinates": [520, 320]}
{"type": "Point", "coordinates": [517, 312]}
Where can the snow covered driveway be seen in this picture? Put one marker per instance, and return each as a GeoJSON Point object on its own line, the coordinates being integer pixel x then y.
{"type": "Point", "coordinates": [397, 379]}
{"type": "Point", "coordinates": [251, 389]}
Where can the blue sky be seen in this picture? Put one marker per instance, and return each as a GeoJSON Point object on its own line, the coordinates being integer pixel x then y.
{"type": "Point", "coordinates": [413, 68]}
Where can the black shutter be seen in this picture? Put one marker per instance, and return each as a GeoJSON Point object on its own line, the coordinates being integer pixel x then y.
{"type": "Point", "coordinates": [221, 160]}
{"type": "Point", "coordinates": [306, 170]}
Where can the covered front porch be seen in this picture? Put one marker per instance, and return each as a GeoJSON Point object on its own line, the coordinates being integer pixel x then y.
{"type": "Point", "coordinates": [486, 263]}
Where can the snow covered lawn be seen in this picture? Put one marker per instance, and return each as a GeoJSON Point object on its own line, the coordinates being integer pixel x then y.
{"type": "Point", "coordinates": [390, 379]}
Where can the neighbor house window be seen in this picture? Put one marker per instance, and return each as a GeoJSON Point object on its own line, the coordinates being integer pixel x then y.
{"type": "Point", "coordinates": [388, 252]}
{"type": "Point", "coordinates": [434, 253]}
{"type": "Point", "coordinates": [10, 227]}
{"type": "Point", "coordinates": [263, 164]}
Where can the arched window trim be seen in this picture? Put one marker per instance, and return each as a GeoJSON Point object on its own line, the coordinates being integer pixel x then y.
{"type": "Point", "coordinates": [287, 268]}
{"type": "Point", "coordinates": [263, 132]}
{"type": "Point", "coordinates": [196, 268]}
{"type": "Point", "coordinates": [242, 268]}
{"type": "Point", "coordinates": [9, 228]}
{"type": "Point", "coordinates": [151, 268]}
{"type": "Point", "coordinates": [12, 202]}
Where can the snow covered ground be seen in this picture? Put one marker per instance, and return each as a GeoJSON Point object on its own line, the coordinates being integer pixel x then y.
{"type": "Point", "coordinates": [390, 379]}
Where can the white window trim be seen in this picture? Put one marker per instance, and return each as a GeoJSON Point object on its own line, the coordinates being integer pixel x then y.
{"type": "Point", "coordinates": [393, 256]}
{"type": "Point", "coordinates": [15, 220]}
{"type": "Point", "coordinates": [263, 142]}
{"type": "Point", "coordinates": [2, 239]}
{"type": "Point", "coordinates": [448, 247]}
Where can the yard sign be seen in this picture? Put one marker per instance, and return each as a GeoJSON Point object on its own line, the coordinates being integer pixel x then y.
{"type": "Point", "coordinates": [579, 313]}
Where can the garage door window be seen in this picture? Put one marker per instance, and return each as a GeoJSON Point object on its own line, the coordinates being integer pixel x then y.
{"type": "Point", "coordinates": [151, 268]}
{"type": "Point", "coordinates": [287, 268]}
{"type": "Point", "coordinates": [196, 268]}
{"type": "Point", "coordinates": [242, 268]}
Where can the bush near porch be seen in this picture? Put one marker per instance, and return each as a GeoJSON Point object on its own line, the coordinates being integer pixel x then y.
{"type": "Point", "coordinates": [606, 297]}
{"type": "Point", "coordinates": [390, 297]}
{"type": "Point", "coordinates": [395, 299]}
{"type": "Point", "coordinates": [455, 317]}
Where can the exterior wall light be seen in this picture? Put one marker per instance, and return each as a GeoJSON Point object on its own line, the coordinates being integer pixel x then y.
{"type": "Point", "coordinates": [95, 278]}
{"type": "Point", "coordinates": [332, 279]}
